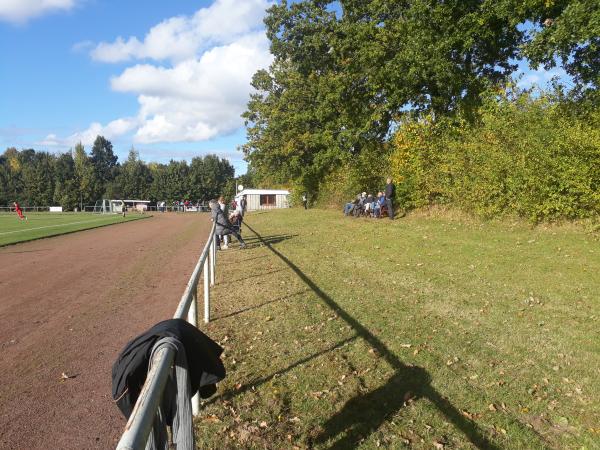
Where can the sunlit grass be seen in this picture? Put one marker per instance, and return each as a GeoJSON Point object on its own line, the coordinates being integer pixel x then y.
{"type": "Point", "coordinates": [425, 332]}
{"type": "Point", "coordinates": [41, 225]}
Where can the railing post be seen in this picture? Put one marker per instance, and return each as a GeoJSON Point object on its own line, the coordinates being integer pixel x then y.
{"type": "Point", "coordinates": [206, 294]}
{"type": "Point", "coordinates": [193, 319]}
{"type": "Point", "coordinates": [212, 261]}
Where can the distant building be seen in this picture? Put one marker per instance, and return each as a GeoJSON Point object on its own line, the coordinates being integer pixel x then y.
{"type": "Point", "coordinates": [264, 198]}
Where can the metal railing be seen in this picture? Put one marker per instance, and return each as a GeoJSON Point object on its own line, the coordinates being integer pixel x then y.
{"type": "Point", "coordinates": [140, 422]}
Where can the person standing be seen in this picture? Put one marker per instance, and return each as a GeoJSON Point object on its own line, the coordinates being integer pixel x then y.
{"type": "Point", "coordinates": [223, 207]}
{"type": "Point", "coordinates": [390, 194]}
{"type": "Point", "coordinates": [243, 204]}
{"type": "Point", "coordinates": [223, 226]}
{"type": "Point", "coordinates": [239, 215]}
{"type": "Point", "coordinates": [305, 200]}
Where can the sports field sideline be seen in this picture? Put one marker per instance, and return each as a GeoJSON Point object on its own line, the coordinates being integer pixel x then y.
{"type": "Point", "coordinates": [44, 224]}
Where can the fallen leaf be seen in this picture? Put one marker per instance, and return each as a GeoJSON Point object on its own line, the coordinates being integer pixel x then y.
{"type": "Point", "coordinates": [467, 414]}
{"type": "Point", "coordinates": [211, 418]}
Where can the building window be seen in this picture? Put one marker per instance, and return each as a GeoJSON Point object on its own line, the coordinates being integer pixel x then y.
{"type": "Point", "coordinates": [267, 200]}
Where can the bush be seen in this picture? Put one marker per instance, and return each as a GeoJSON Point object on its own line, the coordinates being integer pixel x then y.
{"type": "Point", "coordinates": [525, 155]}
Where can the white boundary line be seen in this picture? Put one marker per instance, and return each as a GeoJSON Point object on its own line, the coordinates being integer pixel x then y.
{"type": "Point", "coordinates": [52, 226]}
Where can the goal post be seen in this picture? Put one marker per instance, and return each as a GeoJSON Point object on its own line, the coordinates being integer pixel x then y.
{"type": "Point", "coordinates": [107, 206]}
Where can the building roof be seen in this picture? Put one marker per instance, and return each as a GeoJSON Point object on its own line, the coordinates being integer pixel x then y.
{"type": "Point", "coordinates": [263, 192]}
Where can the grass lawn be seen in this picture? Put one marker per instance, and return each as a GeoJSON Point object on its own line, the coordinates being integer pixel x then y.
{"type": "Point", "coordinates": [41, 225]}
{"type": "Point", "coordinates": [425, 332]}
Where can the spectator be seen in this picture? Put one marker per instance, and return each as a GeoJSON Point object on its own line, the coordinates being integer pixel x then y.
{"type": "Point", "coordinates": [350, 205]}
{"type": "Point", "coordinates": [379, 202]}
{"type": "Point", "coordinates": [243, 204]}
{"type": "Point", "coordinates": [223, 226]}
{"type": "Point", "coordinates": [369, 200]}
{"type": "Point", "coordinates": [222, 205]}
{"type": "Point", "coordinates": [390, 194]}
{"type": "Point", "coordinates": [305, 200]}
{"type": "Point", "coordinates": [239, 215]}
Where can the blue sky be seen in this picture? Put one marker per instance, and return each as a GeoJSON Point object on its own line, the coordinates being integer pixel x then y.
{"type": "Point", "coordinates": [168, 77]}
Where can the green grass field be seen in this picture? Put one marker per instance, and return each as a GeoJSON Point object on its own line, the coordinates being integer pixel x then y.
{"type": "Point", "coordinates": [426, 332]}
{"type": "Point", "coordinates": [41, 225]}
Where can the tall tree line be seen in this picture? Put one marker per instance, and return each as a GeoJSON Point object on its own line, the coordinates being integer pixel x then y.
{"type": "Point", "coordinates": [77, 178]}
{"type": "Point", "coordinates": [347, 73]}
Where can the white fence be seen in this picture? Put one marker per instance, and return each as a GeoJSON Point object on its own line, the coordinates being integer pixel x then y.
{"type": "Point", "coordinates": [140, 422]}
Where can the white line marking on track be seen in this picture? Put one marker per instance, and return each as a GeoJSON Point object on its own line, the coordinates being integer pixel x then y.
{"type": "Point", "coordinates": [53, 226]}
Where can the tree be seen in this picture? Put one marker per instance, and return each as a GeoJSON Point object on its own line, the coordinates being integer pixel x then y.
{"type": "Point", "coordinates": [38, 177]}
{"type": "Point", "coordinates": [565, 31]}
{"type": "Point", "coordinates": [65, 189]}
{"type": "Point", "coordinates": [13, 186]}
{"type": "Point", "coordinates": [4, 192]}
{"type": "Point", "coordinates": [208, 177]}
{"type": "Point", "coordinates": [104, 162]}
{"type": "Point", "coordinates": [158, 188]}
{"type": "Point", "coordinates": [135, 178]}
{"type": "Point", "coordinates": [176, 181]}
{"type": "Point", "coordinates": [85, 177]}
{"type": "Point", "coordinates": [341, 82]}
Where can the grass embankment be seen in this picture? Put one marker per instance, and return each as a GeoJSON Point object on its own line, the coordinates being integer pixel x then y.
{"type": "Point", "coordinates": [42, 225]}
{"type": "Point", "coordinates": [425, 332]}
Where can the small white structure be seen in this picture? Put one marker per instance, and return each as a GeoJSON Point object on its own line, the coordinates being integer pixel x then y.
{"type": "Point", "coordinates": [138, 205]}
{"type": "Point", "coordinates": [264, 198]}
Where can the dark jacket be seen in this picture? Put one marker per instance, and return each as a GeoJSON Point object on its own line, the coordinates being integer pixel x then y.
{"type": "Point", "coordinates": [390, 191]}
{"type": "Point", "coordinates": [224, 226]}
{"type": "Point", "coordinates": [131, 367]}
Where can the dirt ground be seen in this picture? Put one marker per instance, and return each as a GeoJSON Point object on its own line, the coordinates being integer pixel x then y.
{"type": "Point", "coordinates": [68, 305]}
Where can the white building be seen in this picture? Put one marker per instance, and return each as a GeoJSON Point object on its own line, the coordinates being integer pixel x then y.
{"type": "Point", "coordinates": [264, 198]}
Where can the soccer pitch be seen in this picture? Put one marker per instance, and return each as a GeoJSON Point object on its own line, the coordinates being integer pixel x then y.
{"type": "Point", "coordinates": [41, 225]}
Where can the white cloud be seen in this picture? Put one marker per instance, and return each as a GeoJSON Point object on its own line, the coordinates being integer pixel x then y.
{"type": "Point", "coordinates": [200, 86]}
{"type": "Point", "coordinates": [19, 11]}
{"type": "Point", "coordinates": [112, 130]}
{"type": "Point", "coordinates": [181, 37]}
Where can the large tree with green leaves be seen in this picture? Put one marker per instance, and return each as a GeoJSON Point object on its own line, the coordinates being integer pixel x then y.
{"type": "Point", "coordinates": [104, 162]}
{"type": "Point", "coordinates": [135, 178]}
{"type": "Point", "coordinates": [38, 177]}
{"type": "Point", "coordinates": [565, 32]}
{"type": "Point", "coordinates": [85, 176]}
{"type": "Point", "coordinates": [65, 188]}
{"type": "Point", "coordinates": [346, 73]}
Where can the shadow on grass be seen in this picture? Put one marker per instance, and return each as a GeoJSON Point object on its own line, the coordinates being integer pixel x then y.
{"type": "Point", "coordinates": [260, 305]}
{"type": "Point", "coordinates": [364, 414]}
{"type": "Point", "coordinates": [252, 242]}
{"type": "Point", "coordinates": [256, 275]}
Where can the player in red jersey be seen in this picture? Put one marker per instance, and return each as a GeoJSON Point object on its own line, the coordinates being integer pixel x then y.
{"type": "Point", "coordinates": [19, 211]}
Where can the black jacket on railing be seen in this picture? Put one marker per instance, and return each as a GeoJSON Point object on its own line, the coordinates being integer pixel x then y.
{"type": "Point", "coordinates": [131, 367]}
